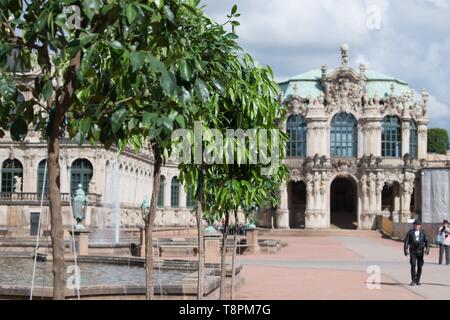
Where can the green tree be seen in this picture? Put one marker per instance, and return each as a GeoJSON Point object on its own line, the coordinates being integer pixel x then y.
{"type": "Point", "coordinates": [249, 102]}
{"type": "Point", "coordinates": [438, 140]}
{"type": "Point", "coordinates": [151, 84]}
{"type": "Point", "coordinates": [128, 74]}
{"type": "Point", "coordinates": [38, 35]}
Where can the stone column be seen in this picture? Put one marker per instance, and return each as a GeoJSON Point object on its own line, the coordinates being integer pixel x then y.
{"type": "Point", "coordinates": [29, 183]}
{"type": "Point", "coordinates": [81, 242]}
{"type": "Point", "coordinates": [374, 139]}
{"type": "Point", "coordinates": [422, 128]}
{"type": "Point", "coordinates": [364, 193]}
{"type": "Point", "coordinates": [372, 193]}
{"type": "Point", "coordinates": [309, 192]}
{"type": "Point", "coordinates": [282, 214]}
{"type": "Point", "coordinates": [406, 132]}
{"type": "Point", "coordinates": [252, 242]}
{"type": "Point", "coordinates": [371, 133]}
{"type": "Point", "coordinates": [167, 189]}
{"type": "Point", "coordinates": [182, 197]}
{"type": "Point", "coordinates": [380, 187]}
{"type": "Point", "coordinates": [361, 141]}
{"type": "Point", "coordinates": [407, 191]}
{"type": "Point", "coordinates": [317, 139]}
{"type": "Point", "coordinates": [212, 248]}
{"type": "Point", "coordinates": [65, 174]}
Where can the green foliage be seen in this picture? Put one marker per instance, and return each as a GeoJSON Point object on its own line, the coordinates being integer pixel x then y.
{"type": "Point", "coordinates": [438, 140]}
{"type": "Point", "coordinates": [241, 95]}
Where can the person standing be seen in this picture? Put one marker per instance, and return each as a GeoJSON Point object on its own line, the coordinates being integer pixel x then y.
{"type": "Point", "coordinates": [444, 245]}
{"type": "Point", "coordinates": [416, 245]}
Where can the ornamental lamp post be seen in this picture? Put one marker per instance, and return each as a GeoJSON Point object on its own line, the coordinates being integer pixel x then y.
{"type": "Point", "coordinates": [145, 208]}
{"type": "Point", "coordinates": [79, 207]}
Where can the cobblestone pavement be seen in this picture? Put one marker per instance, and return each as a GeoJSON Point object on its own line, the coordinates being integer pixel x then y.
{"type": "Point", "coordinates": [333, 265]}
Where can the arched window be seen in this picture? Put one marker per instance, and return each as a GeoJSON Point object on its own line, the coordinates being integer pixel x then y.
{"type": "Point", "coordinates": [40, 180]}
{"type": "Point", "coordinates": [190, 201]}
{"type": "Point", "coordinates": [10, 169]}
{"type": "Point", "coordinates": [344, 135]}
{"type": "Point", "coordinates": [80, 173]}
{"type": "Point", "coordinates": [413, 138]}
{"type": "Point", "coordinates": [391, 137]}
{"type": "Point", "coordinates": [161, 192]}
{"type": "Point", "coordinates": [175, 193]}
{"type": "Point", "coordinates": [296, 130]}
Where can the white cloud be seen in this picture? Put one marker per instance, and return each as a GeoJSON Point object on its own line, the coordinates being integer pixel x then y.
{"type": "Point", "coordinates": [294, 36]}
{"type": "Point", "coordinates": [438, 110]}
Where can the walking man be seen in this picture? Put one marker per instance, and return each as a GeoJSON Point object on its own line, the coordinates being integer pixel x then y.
{"type": "Point", "coordinates": [416, 244]}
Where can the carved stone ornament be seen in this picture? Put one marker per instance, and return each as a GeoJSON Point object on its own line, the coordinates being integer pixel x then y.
{"type": "Point", "coordinates": [296, 106]}
{"type": "Point", "coordinates": [295, 175]}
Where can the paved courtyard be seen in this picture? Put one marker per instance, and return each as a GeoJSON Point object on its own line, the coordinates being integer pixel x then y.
{"type": "Point", "coordinates": [333, 265]}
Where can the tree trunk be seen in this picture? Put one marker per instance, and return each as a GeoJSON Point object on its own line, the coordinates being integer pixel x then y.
{"type": "Point", "coordinates": [233, 260]}
{"type": "Point", "coordinates": [54, 176]}
{"type": "Point", "coordinates": [223, 262]}
{"type": "Point", "coordinates": [57, 232]}
{"type": "Point", "coordinates": [199, 216]}
{"type": "Point", "coordinates": [150, 221]}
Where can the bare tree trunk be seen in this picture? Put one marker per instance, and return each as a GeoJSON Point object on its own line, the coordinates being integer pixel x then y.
{"type": "Point", "coordinates": [199, 216]}
{"type": "Point", "coordinates": [233, 260]}
{"type": "Point", "coordinates": [150, 222]}
{"type": "Point", "coordinates": [223, 262]}
{"type": "Point", "coordinates": [57, 232]}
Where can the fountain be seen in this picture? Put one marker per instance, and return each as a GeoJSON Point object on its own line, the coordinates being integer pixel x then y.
{"type": "Point", "coordinates": [112, 197]}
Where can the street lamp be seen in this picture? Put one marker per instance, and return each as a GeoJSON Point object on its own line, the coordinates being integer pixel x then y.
{"type": "Point", "coordinates": [79, 207]}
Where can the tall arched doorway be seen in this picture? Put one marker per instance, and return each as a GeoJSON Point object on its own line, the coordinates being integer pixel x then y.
{"type": "Point", "coordinates": [344, 204]}
{"type": "Point", "coordinates": [297, 205]}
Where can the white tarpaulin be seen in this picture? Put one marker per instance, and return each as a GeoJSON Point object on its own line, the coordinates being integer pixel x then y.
{"type": "Point", "coordinates": [435, 195]}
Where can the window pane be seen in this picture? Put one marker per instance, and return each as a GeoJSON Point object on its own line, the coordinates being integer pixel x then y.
{"type": "Point", "coordinates": [10, 170]}
{"type": "Point", "coordinates": [161, 192]}
{"type": "Point", "coordinates": [297, 131]}
{"type": "Point", "coordinates": [80, 173]}
{"type": "Point", "coordinates": [175, 193]}
{"type": "Point", "coordinates": [344, 139]}
{"type": "Point", "coordinates": [391, 137]}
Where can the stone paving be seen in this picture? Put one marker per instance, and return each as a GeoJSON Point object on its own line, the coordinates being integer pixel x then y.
{"type": "Point", "coordinates": [333, 265]}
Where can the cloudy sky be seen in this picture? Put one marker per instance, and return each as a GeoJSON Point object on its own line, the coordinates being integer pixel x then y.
{"type": "Point", "coordinates": [407, 39]}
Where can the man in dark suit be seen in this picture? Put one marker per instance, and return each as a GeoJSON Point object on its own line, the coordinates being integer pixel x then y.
{"type": "Point", "coordinates": [417, 245]}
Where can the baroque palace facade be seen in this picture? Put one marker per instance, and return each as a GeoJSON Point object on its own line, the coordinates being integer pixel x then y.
{"type": "Point", "coordinates": [357, 143]}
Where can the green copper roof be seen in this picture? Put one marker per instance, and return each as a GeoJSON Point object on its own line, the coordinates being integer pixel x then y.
{"type": "Point", "coordinates": [308, 84]}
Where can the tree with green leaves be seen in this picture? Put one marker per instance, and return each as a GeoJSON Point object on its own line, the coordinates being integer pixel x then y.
{"type": "Point", "coordinates": [174, 81]}
{"type": "Point", "coordinates": [129, 74]}
{"type": "Point", "coordinates": [249, 102]}
{"type": "Point", "coordinates": [438, 141]}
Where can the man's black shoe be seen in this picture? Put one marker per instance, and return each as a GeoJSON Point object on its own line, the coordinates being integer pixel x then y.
{"type": "Point", "coordinates": [412, 284]}
{"type": "Point", "coordinates": [418, 283]}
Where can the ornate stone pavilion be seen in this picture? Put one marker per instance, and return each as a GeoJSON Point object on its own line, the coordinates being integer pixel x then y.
{"type": "Point", "coordinates": [108, 180]}
{"type": "Point", "coordinates": [357, 142]}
